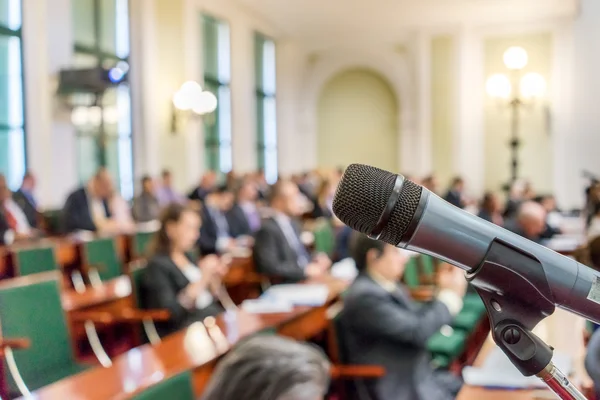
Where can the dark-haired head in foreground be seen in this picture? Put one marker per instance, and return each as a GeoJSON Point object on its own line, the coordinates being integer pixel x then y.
{"type": "Point", "coordinates": [270, 368]}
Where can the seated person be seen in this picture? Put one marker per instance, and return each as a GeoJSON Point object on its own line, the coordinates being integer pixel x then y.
{"type": "Point", "coordinates": [490, 209]}
{"type": "Point", "coordinates": [455, 195]}
{"type": "Point", "coordinates": [553, 217]}
{"type": "Point", "coordinates": [382, 325]}
{"type": "Point", "coordinates": [207, 185]}
{"type": "Point", "coordinates": [13, 221]}
{"type": "Point", "coordinates": [172, 281]}
{"type": "Point", "coordinates": [165, 194]}
{"type": "Point", "coordinates": [97, 208]}
{"type": "Point", "coordinates": [25, 199]}
{"type": "Point", "coordinates": [145, 206]}
{"type": "Point", "coordinates": [278, 250]}
{"type": "Point", "coordinates": [322, 204]}
{"type": "Point", "coordinates": [215, 236]}
{"type": "Point", "coordinates": [270, 367]}
{"type": "Point", "coordinates": [530, 221]}
{"type": "Point", "coordinates": [243, 218]}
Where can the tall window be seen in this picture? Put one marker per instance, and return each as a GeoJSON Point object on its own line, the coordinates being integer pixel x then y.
{"type": "Point", "coordinates": [217, 73]}
{"type": "Point", "coordinates": [101, 32]}
{"type": "Point", "coordinates": [12, 132]}
{"type": "Point", "coordinates": [264, 52]}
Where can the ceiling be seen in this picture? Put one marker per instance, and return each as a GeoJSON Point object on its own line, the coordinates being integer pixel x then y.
{"type": "Point", "coordinates": [316, 21]}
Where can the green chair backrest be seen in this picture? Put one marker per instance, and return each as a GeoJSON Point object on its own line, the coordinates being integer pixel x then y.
{"type": "Point", "coordinates": [102, 253]}
{"type": "Point", "coordinates": [177, 387]}
{"type": "Point", "coordinates": [427, 265]}
{"type": "Point", "coordinates": [137, 274]}
{"type": "Point", "coordinates": [411, 273]}
{"type": "Point", "coordinates": [36, 260]}
{"type": "Point", "coordinates": [324, 237]}
{"type": "Point", "coordinates": [141, 243]}
{"type": "Point", "coordinates": [34, 311]}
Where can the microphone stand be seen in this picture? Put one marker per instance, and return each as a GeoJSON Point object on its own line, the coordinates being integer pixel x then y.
{"type": "Point", "coordinates": [514, 289]}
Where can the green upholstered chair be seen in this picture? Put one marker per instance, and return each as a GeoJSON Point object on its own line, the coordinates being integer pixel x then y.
{"type": "Point", "coordinates": [411, 273]}
{"type": "Point", "coordinates": [427, 264]}
{"type": "Point", "coordinates": [31, 308]}
{"type": "Point", "coordinates": [35, 260]}
{"type": "Point", "coordinates": [102, 259]}
{"type": "Point", "coordinates": [467, 319]}
{"type": "Point", "coordinates": [177, 387]}
{"type": "Point", "coordinates": [52, 219]}
{"type": "Point", "coordinates": [447, 346]}
{"type": "Point", "coordinates": [141, 243]}
{"type": "Point", "coordinates": [324, 237]}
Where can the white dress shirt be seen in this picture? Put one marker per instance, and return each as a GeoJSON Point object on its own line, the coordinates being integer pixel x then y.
{"type": "Point", "coordinates": [194, 274]}
{"type": "Point", "coordinates": [18, 214]}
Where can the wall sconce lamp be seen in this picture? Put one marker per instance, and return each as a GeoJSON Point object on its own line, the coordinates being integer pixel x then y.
{"type": "Point", "coordinates": [519, 92]}
{"type": "Point", "coordinates": [190, 101]}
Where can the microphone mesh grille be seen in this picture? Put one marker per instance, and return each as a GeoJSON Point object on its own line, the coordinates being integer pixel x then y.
{"type": "Point", "coordinates": [362, 196]}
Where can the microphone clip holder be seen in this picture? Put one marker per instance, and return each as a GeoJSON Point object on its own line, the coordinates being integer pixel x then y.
{"type": "Point", "coordinates": [516, 294]}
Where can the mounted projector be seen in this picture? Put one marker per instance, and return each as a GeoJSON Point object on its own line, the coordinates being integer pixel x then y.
{"type": "Point", "coordinates": [90, 80]}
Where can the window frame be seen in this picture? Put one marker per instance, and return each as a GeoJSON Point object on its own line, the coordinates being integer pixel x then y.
{"type": "Point", "coordinates": [261, 96]}
{"type": "Point", "coordinates": [6, 31]}
{"type": "Point", "coordinates": [213, 141]}
{"type": "Point", "coordinates": [102, 56]}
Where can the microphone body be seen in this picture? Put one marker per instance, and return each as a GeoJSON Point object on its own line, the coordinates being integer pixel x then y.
{"type": "Point", "coordinates": [463, 239]}
{"type": "Point", "coordinates": [387, 207]}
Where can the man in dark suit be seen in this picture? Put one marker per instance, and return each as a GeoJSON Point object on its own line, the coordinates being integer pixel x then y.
{"type": "Point", "coordinates": [26, 200]}
{"type": "Point", "coordinates": [278, 250]}
{"type": "Point", "coordinates": [207, 185]}
{"type": "Point", "coordinates": [243, 217]}
{"type": "Point", "coordinates": [454, 195]}
{"type": "Point", "coordinates": [89, 208]}
{"type": "Point", "coordinates": [215, 236]}
{"type": "Point", "coordinates": [382, 325]}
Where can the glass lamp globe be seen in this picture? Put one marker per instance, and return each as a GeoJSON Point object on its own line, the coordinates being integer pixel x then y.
{"type": "Point", "coordinates": [207, 103]}
{"type": "Point", "coordinates": [95, 116]}
{"type": "Point", "coordinates": [515, 58]}
{"type": "Point", "coordinates": [498, 86]}
{"type": "Point", "coordinates": [187, 96]}
{"type": "Point", "coordinates": [532, 85]}
{"type": "Point", "coordinates": [80, 116]}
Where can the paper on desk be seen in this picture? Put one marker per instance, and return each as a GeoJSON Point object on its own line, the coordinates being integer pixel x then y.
{"type": "Point", "coordinates": [298, 294]}
{"type": "Point", "coordinates": [564, 242]}
{"type": "Point", "coordinates": [344, 269]}
{"type": "Point", "coordinates": [498, 371]}
{"type": "Point", "coordinates": [266, 306]}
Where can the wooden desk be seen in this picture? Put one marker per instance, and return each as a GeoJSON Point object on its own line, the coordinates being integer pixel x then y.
{"type": "Point", "coordinates": [190, 349]}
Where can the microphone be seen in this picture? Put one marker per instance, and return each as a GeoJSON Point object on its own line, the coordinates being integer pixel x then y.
{"type": "Point", "coordinates": [389, 208]}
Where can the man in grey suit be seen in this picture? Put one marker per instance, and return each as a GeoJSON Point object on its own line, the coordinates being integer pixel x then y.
{"type": "Point", "coordinates": [382, 325]}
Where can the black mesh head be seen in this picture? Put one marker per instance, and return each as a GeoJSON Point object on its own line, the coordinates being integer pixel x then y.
{"type": "Point", "coordinates": [362, 196]}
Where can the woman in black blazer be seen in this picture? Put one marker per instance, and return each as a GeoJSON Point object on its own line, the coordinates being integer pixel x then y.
{"type": "Point", "coordinates": [172, 281]}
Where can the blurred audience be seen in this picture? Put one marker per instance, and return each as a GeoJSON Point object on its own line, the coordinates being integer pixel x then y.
{"type": "Point", "coordinates": [322, 203]}
{"type": "Point", "coordinates": [25, 198]}
{"type": "Point", "coordinates": [380, 312]}
{"type": "Point", "coordinates": [145, 206]}
{"type": "Point", "coordinates": [278, 249]}
{"type": "Point", "coordinates": [430, 183]}
{"type": "Point", "coordinates": [97, 208]}
{"type": "Point", "coordinates": [165, 193]}
{"type": "Point", "coordinates": [172, 281]}
{"type": "Point", "coordinates": [455, 195]}
{"type": "Point", "coordinates": [490, 209]}
{"type": "Point", "coordinates": [13, 221]}
{"type": "Point", "coordinates": [215, 235]}
{"type": "Point", "coordinates": [244, 218]}
{"type": "Point", "coordinates": [530, 221]}
{"type": "Point", "coordinates": [207, 185]}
